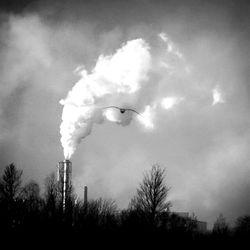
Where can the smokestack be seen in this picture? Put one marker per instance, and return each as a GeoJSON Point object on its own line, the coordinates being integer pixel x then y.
{"type": "Point", "coordinates": [64, 175]}
{"type": "Point", "coordinates": [85, 195]}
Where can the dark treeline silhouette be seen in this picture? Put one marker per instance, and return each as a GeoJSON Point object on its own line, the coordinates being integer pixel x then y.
{"type": "Point", "coordinates": [24, 210]}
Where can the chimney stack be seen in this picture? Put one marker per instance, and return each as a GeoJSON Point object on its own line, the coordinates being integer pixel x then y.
{"type": "Point", "coordinates": [64, 175]}
{"type": "Point", "coordinates": [85, 195]}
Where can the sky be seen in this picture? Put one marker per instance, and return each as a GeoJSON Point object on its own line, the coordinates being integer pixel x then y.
{"type": "Point", "coordinates": [190, 66]}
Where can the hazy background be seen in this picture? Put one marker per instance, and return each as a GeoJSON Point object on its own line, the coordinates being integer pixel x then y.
{"type": "Point", "coordinates": [204, 148]}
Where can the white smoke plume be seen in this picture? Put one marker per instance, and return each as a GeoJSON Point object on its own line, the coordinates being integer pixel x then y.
{"type": "Point", "coordinates": [128, 79]}
{"type": "Point", "coordinates": [115, 80]}
{"type": "Point", "coordinates": [169, 102]}
{"type": "Point", "coordinates": [217, 96]}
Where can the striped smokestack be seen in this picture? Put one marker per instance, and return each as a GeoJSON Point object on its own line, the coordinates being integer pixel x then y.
{"type": "Point", "coordinates": [64, 175]}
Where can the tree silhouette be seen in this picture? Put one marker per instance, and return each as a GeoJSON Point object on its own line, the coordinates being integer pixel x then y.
{"type": "Point", "coordinates": [31, 205]}
{"type": "Point", "coordinates": [151, 195]}
{"type": "Point", "coordinates": [96, 214]}
{"type": "Point", "coordinates": [30, 195]}
{"type": "Point", "coordinates": [10, 183]}
{"type": "Point", "coordinates": [51, 196]}
{"type": "Point", "coordinates": [242, 227]}
{"type": "Point", "coordinates": [10, 187]}
{"type": "Point", "coordinates": [220, 226]}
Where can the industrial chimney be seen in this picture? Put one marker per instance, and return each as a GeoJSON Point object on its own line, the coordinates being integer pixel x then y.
{"type": "Point", "coordinates": [64, 174]}
{"type": "Point", "coordinates": [85, 195]}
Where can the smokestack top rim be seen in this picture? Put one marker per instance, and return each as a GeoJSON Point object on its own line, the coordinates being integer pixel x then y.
{"type": "Point", "coordinates": [65, 161]}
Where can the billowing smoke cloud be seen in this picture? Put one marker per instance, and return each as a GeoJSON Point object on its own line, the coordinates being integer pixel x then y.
{"type": "Point", "coordinates": [120, 81]}
{"type": "Point", "coordinates": [114, 81]}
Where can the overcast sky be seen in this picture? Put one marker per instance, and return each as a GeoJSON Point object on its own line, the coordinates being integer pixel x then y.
{"type": "Point", "coordinates": [203, 141]}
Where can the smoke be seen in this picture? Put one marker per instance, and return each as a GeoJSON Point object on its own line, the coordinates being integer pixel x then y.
{"type": "Point", "coordinates": [217, 96]}
{"type": "Point", "coordinates": [115, 79]}
{"type": "Point", "coordinates": [134, 78]}
{"type": "Point", "coordinates": [123, 80]}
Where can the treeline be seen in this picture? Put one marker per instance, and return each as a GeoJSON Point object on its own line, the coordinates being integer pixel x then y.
{"type": "Point", "coordinates": [24, 210]}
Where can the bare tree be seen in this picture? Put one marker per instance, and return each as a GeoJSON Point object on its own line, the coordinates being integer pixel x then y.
{"type": "Point", "coordinates": [30, 195]}
{"type": "Point", "coordinates": [242, 227]}
{"type": "Point", "coordinates": [152, 194]}
{"type": "Point", "coordinates": [220, 225]}
{"type": "Point", "coordinates": [10, 188]}
{"type": "Point", "coordinates": [96, 214]}
{"type": "Point", "coordinates": [107, 211]}
{"type": "Point", "coordinates": [31, 190]}
{"type": "Point", "coordinates": [10, 183]}
{"type": "Point", "coordinates": [51, 194]}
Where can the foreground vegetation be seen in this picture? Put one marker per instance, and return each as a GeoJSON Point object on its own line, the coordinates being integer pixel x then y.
{"type": "Point", "coordinates": [24, 210]}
